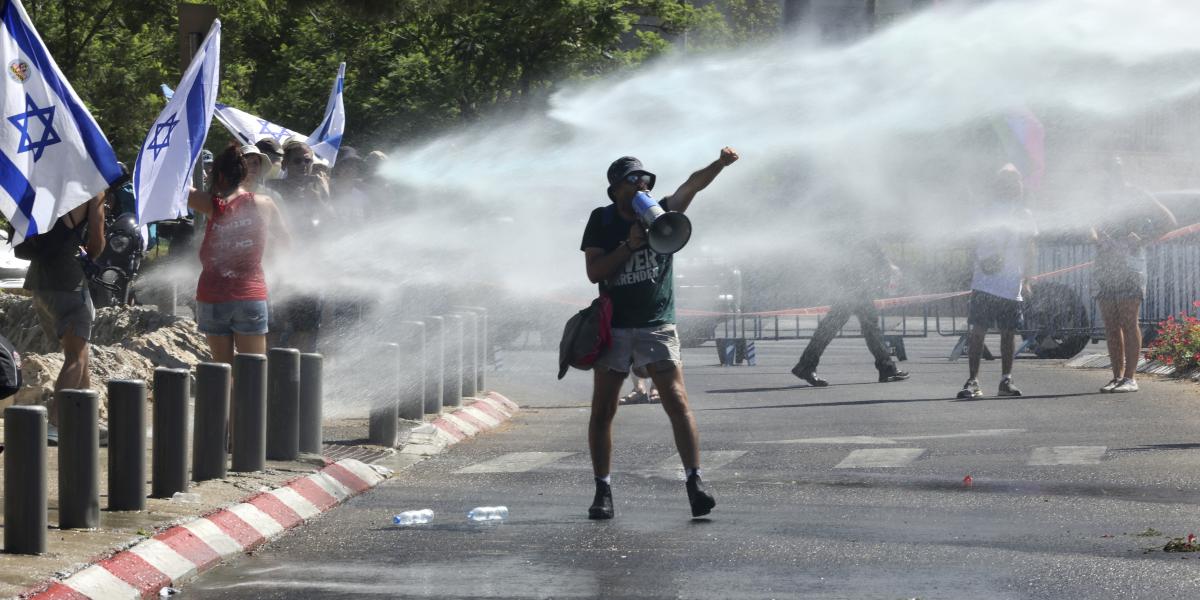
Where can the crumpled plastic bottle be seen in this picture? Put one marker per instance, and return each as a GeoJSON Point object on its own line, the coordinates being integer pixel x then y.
{"type": "Point", "coordinates": [484, 514]}
{"type": "Point", "coordinates": [413, 517]}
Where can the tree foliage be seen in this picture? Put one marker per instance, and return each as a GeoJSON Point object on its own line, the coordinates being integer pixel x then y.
{"type": "Point", "coordinates": [413, 66]}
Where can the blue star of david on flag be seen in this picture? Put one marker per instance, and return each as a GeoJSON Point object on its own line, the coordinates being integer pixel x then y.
{"type": "Point", "coordinates": [21, 122]}
{"type": "Point", "coordinates": [158, 145]}
{"type": "Point", "coordinates": [278, 135]}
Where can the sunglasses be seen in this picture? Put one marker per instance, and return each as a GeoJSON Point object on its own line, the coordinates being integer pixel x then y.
{"type": "Point", "coordinates": [301, 161]}
{"type": "Point", "coordinates": [636, 178]}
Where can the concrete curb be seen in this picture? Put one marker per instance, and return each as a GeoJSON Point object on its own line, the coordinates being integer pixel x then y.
{"type": "Point", "coordinates": [184, 551]}
{"type": "Point", "coordinates": [1101, 361]}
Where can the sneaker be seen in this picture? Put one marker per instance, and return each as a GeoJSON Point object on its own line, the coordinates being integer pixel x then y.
{"type": "Point", "coordinates": [809, 375]}
{"type": "Point", "coordinates": [1127, 385]}
{"type": "Point", "coordinates": [602, 505]}
{"type": "Point", "coordinates": [891, 373]}
{"type": "Point", "coordinates": [702, 502]}
{"type": "Point", "coordinates": [1108, 387]}
{"type": "Point", "coordinates": [1007, 388]}
{"type": "Point", "coordinates": [970, 389]}
{"type": "Point", "coordinates": [103, 435]}
{"type": "Point", "coordinates": [51, 434]}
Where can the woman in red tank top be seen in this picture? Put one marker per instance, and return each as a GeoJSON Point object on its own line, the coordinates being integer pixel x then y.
{"type": "Point", "coordinates": [231, 296]}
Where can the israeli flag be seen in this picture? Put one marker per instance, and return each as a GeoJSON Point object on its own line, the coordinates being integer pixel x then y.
{"type": "Point", "coordinates": [162, 175]}
{"type": "Point", "coordinates": [327, 139]}
{"type": "Point", "coordinates": [246, 127]}
{"type": "Point", "coordinates": [53, 156]}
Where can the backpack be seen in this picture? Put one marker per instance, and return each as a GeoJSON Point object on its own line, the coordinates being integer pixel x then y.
{"type": "Point", "coordinates": [586, 336]}
{"type": "Point", "coordinates": [10, 368]}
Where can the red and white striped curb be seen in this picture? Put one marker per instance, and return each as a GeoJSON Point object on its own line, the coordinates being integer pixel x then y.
{"type": "Point", "coordinates": [481, 415]}
{"type": "Point", "coordinates": [197, 546]}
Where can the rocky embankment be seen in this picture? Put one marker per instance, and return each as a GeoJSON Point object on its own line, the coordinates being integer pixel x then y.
{"type": "Point", "coordinates": [127, 343]}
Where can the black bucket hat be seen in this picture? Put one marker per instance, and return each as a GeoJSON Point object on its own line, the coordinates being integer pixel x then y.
{"type": "Point", "coordinates": [624, 167]}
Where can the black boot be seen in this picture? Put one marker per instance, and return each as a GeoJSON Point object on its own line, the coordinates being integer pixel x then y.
{"type": "Point", "coordinates": [702, 502]}
{"type": "Point", "coordinates": [888, 372]}
{"type": "Point", "coordinates": [809, 374]}
{"type": "Point", "coordinates": [602, 505]}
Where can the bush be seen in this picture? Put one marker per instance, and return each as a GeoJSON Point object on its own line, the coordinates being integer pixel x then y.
{"type": "Point", "coordinates": [1178, 342]}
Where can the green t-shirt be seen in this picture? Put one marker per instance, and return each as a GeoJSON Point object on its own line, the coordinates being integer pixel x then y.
{"type": "Point", "coordinates": [642, 291]}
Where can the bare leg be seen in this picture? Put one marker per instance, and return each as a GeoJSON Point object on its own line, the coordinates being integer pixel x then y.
{"type": "Point", "coordinates": [975, 349]}
{"type": "Point", "coordinates": [250, 344]}
{"type": "Point", "coordinates": [1007, 349]}
{"type": "Point", "coordinates": [1131, 334]}
{"type": "Point", "coordinates": [221, 348]}
{"type": "Point", "coordinates": [1113, 336]}
{"type": "Point", "coordinates": [606, 392]}
{"type": "Point", "coordinates": [74, 373]}
{"type": "Point", "coordinates": [675, 402]}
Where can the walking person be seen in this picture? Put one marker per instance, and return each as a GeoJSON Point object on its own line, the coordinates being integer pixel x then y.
{"type": "Point", "coordinates": [639, 283]}
{"type": "Point", "coordinates": [1004, 254]}
{"type": "Point", "coordinates": [1133, 219]}
{"type": "Point", "coordinates": [863, 272]}
{"type": "Point", "coordinates": [231, 296]}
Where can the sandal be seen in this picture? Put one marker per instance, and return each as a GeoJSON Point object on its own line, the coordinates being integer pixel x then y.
{"type": "Point", "coordinates": [635, 397]}
{"type": "Point", "coordinates": [653, 398]}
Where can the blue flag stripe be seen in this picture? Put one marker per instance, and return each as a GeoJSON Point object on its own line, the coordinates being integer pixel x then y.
{"type": "Point", "coordinates": [13, 182]}
{"type": "Point", "coordinates": [329, 119]}
{"type": "Point", "coordinates": [97, 146]}
{"type": "Point", "coordinates": [197, 127]}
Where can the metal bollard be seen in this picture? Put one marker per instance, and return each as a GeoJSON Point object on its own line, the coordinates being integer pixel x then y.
{"type": "Point", "coordinates": [169, 468]}
{"type": "Point", "coordinates": [311, 395]}
{"type": "Point", "coordinates": [384, 396]}
{"type": "Point", "coordinates": [482, 350]}
{"type": "Point", "coordinates": [127, 444]}
{"type": "Point", "coordinates": [171, 299]}
{"type": "Point", "coordinates": [249, 413]}
{"type": "Point", "coordinates": [25, 504]}
{"type": "Point", "coordinates": [470, 354]}
{"type": "Point", "coordinates": [452, 367]}
{"type": "Point", "coordinates": [283, 404]}
{"type": "Point", "coordinates": [210, 439]}
{"type": "Point", "coordinates": [78, 459]}
{"type": "Point", "coordinates": [412, 370]}
{"type": "Point", "coordinates": [435, 354]}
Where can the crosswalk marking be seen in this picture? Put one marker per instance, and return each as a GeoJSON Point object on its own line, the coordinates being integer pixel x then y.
{"type": "Point", "coordinates": [880, 457]}
{"type": "Point", "coordinates": [710, 460]}
{"type": "Point", "coordinates": [515, 462]}
{"type": "Point", "coordinates": [1066, 455]}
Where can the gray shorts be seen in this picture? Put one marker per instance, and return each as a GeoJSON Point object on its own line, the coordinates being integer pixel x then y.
{"type": "Point", "coordinates": [62, 312]}
{"type": "Point", "coordinates": [639, 347]}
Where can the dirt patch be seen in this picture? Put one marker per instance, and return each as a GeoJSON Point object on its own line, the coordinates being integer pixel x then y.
{"type": "Point", "coordinates": [127, 343]}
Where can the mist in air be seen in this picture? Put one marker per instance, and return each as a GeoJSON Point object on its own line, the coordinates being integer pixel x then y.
{"type": "Point", "coordinates": [892, 136]}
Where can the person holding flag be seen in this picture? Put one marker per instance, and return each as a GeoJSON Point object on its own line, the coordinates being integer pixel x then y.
{"type": "Point", "coordinates": [55, 164]}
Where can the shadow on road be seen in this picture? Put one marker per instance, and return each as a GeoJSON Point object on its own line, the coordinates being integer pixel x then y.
{"type": "Point", "coordinates": [892, 401]}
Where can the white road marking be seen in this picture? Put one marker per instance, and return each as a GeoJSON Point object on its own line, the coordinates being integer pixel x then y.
{"type": "Point", "coordinates": [515, 462]}
{"type": "Point", "coordinates": [872, 440]}
{"type": "Point", "coordinates": [880, 457]}
{"type": "Point", "coordinates": [710, 460]}
{"type": "Point", "coordinates": [1066, 455]}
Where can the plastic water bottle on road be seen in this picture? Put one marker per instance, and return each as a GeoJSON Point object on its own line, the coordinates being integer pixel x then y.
{"type": "Point", "coordinates": [413, 517]}
{"type": "Point", "coordinates": [488, 514]}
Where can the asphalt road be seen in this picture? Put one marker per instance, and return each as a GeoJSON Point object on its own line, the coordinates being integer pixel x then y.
{"type": "Point", "coordinates": [851, 491]}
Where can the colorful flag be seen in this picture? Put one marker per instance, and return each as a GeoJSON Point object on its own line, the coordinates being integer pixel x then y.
{"type": "Point", "coordinates": [327, 139]}
{"type": "Point", "coordinates": [53, 156]}
{"type": "Point", "coordinates": [1024, 141]}
{"type": "Point", "coordinates": [162, 175]}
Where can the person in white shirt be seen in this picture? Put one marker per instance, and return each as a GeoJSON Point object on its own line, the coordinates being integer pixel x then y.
{"type": "Point", "coordinates": [1004, 254]}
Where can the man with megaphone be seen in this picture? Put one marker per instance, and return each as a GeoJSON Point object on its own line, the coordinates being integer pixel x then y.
{"type": "Point", "coordinates": [628, 246]}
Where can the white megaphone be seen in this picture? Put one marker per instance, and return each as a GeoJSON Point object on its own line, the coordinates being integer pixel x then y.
{"type": "Point", "coordinates": [667, 231]}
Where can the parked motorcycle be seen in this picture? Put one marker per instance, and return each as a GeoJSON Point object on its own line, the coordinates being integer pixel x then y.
{"type": "Point", "coordinates": [111, 275]}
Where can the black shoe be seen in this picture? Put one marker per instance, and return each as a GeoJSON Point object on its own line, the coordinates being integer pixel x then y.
{"type": "Point", "coordinates": [602, 506]}
{"type": "Point", "coordinates": [890, 373]}
{"type": "Point", "coordinates": [1007, 388]}
{"type": "Point", "coordinates": [809, 375]}
{"type": "Point", "coordinates": [702, 502]}
{"type": "Point", "coordinates": [970, 389]}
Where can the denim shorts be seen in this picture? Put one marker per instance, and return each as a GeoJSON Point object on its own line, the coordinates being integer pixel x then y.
{"type": "Point", "coordinates": [641, 347]}
{"type": "Point", "coordinates": [243, 317]}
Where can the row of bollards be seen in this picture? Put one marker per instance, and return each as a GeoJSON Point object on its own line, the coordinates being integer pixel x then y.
{"type": "Point", "coordinates": [283, 391]}
{"type": "Point", "coordinates": [269, 405]}
{"type": "Point", "coordinates": [439, 361]}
